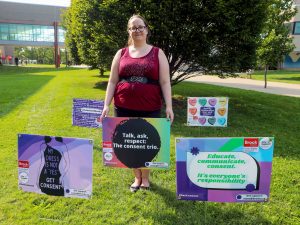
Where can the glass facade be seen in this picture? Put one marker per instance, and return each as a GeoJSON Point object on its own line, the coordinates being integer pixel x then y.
{"type": "Point", "coordinates": [297, 28]}
{"type": "Point", "coordinates": [27, 32]}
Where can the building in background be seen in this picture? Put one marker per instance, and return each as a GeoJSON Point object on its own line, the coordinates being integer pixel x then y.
{"type": "Point", "coordinates": [292, 60]}
{"type": "Point", "coordinates": [30, 25]}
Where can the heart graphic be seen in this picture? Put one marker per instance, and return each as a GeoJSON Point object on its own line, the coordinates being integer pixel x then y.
{"type": "Point", "coordinates": [222, 101]}
{"type": "Point", "coordinates": [202, 101]}
{"type": "Point", "coordinates": [211, 120]}
{"type": "Point", "coordinates": [202, 120]}
{"type": "Point", "coordinates": [193, 111]}
{"type": "Point", "coordinates": [192, 101]}
{"type": "Point", "coordinates": [195, 117]}
{"type": "Point", "coordinates": [222, 111]}
{"type": "Point", "coordinates": [212, 101]}
{"type": "Point", "coordinates": [222, 121]}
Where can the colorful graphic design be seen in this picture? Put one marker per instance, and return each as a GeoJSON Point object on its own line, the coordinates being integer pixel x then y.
{"type": "Point", "coordinates": [56, 166]}
{"type": "Point", "coordinates": [207, 111]}
{"type": "Point", "coordinates": [86, 112]}
{"type": "Point", "coordinates": [224, 169]}
{"type": "Point", "coordinates": [136, 142]}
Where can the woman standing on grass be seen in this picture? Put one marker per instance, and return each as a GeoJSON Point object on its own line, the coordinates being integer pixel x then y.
{"type": "Point", "coordinates": [139, 79]}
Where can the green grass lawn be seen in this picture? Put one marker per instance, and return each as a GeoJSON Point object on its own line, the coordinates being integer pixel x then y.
{"type": "Point", "coordinates": [285, 76]}
{"type": "Point", "coordinates": [39, 101]}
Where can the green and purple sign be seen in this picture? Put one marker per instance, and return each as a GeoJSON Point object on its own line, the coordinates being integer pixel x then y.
{"type": "Point", "coordinates": [234, 169]}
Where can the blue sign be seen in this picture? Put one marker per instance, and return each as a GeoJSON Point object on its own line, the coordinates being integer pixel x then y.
{"type": "Point", "coordinates": [86, 112]}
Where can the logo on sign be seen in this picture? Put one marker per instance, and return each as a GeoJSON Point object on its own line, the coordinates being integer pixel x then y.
{"type": "Point", "coordinates": [251, 142]}
{"type": "Point", "coordinates": [107, 144]}
{"type": "Point", "coordinates": [265, 143]}
{"type": "Point", "coordinates": [23, 164]}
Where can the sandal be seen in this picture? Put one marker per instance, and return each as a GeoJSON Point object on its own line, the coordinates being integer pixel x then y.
{"type": "Point", "coordinates": [134, 188]}
{"type": "Point", "coordinates": [145, 188]}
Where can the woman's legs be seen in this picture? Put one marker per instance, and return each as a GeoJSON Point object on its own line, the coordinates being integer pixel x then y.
{"type": "Point", "coordinates": [141, 178]}
{"type": "Point", "coordinates": [145, 178]}
{"type": "Point", "coordinates": [137, 178]}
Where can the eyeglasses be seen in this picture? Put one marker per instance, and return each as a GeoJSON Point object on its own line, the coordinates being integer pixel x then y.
{"type": "Point", "coordinates": [137, 29]}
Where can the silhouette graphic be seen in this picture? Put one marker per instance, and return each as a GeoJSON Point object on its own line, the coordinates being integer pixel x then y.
{"type": "Point", "coordinates": [51, 175]}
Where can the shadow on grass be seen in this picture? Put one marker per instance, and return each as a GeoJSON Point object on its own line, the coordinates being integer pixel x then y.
{"type": "Point", "coordinates": [250, 114]}
{"type": "Point", "coordinates": [14, 70]}
{"type": "Point", "coordinates": [276, 72]}
{"type": "Point", "coordinates": [104, 76]}
{"type": "Point", "coordinates": [16, 89]}
{"type": "Point", "coordinates": [196, 212]}
{"type": "Point", "coordinates": [289, 78]}
{"type": "Point", "coordinates": [101, 85]}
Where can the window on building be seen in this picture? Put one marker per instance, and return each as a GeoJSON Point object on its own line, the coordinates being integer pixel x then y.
{"type": "Point", "coordinates": [297, 28]}
{"type": "Point", "coordinates": [27, 32]}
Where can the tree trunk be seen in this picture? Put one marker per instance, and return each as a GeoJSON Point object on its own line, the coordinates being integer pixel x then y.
{"type": "Point", "coordinates": [101, 72]}
{"type": "Point", "coordinates": [266, 70]}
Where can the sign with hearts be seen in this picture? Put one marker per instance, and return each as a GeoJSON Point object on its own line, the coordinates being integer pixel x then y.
{"type": "Point", "coordinates": [227, 169]}
{"type": "Point", "coordinates": [209, 111]}
{"type": "Point", "coordinates": [136, 142]}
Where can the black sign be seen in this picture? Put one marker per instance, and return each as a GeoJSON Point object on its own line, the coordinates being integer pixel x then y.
{"type": "Point", "coordinates": [135, 142]}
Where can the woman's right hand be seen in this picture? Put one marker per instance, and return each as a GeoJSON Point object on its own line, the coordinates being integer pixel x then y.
{"type": "Point", "coordinates": [105, 112]}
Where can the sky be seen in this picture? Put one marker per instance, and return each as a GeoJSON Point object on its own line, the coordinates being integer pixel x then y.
{"type": "Point", "coordinates": [42, 2]}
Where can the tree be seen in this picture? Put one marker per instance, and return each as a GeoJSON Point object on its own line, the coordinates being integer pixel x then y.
{"type": "Point", "coordinates": [87, 35]}
{"type": "Point", "coordinates": [69, 39]}
{"type": "Point", "coordinates": [43, 55]}
{"type": "Point", "coordinates": [209, 36]}
{"type": "Point", "coordinates": [276, 41]}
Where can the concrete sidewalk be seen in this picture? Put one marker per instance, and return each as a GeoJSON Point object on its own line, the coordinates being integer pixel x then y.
{"type": "Point", "coordinates": [248, 84]}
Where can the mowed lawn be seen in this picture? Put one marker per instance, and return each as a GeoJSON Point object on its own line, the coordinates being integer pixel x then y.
{"type": "Point", "coordinates": [39, 101]}
{"type": "Point", "coordinates": [285, 76]}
